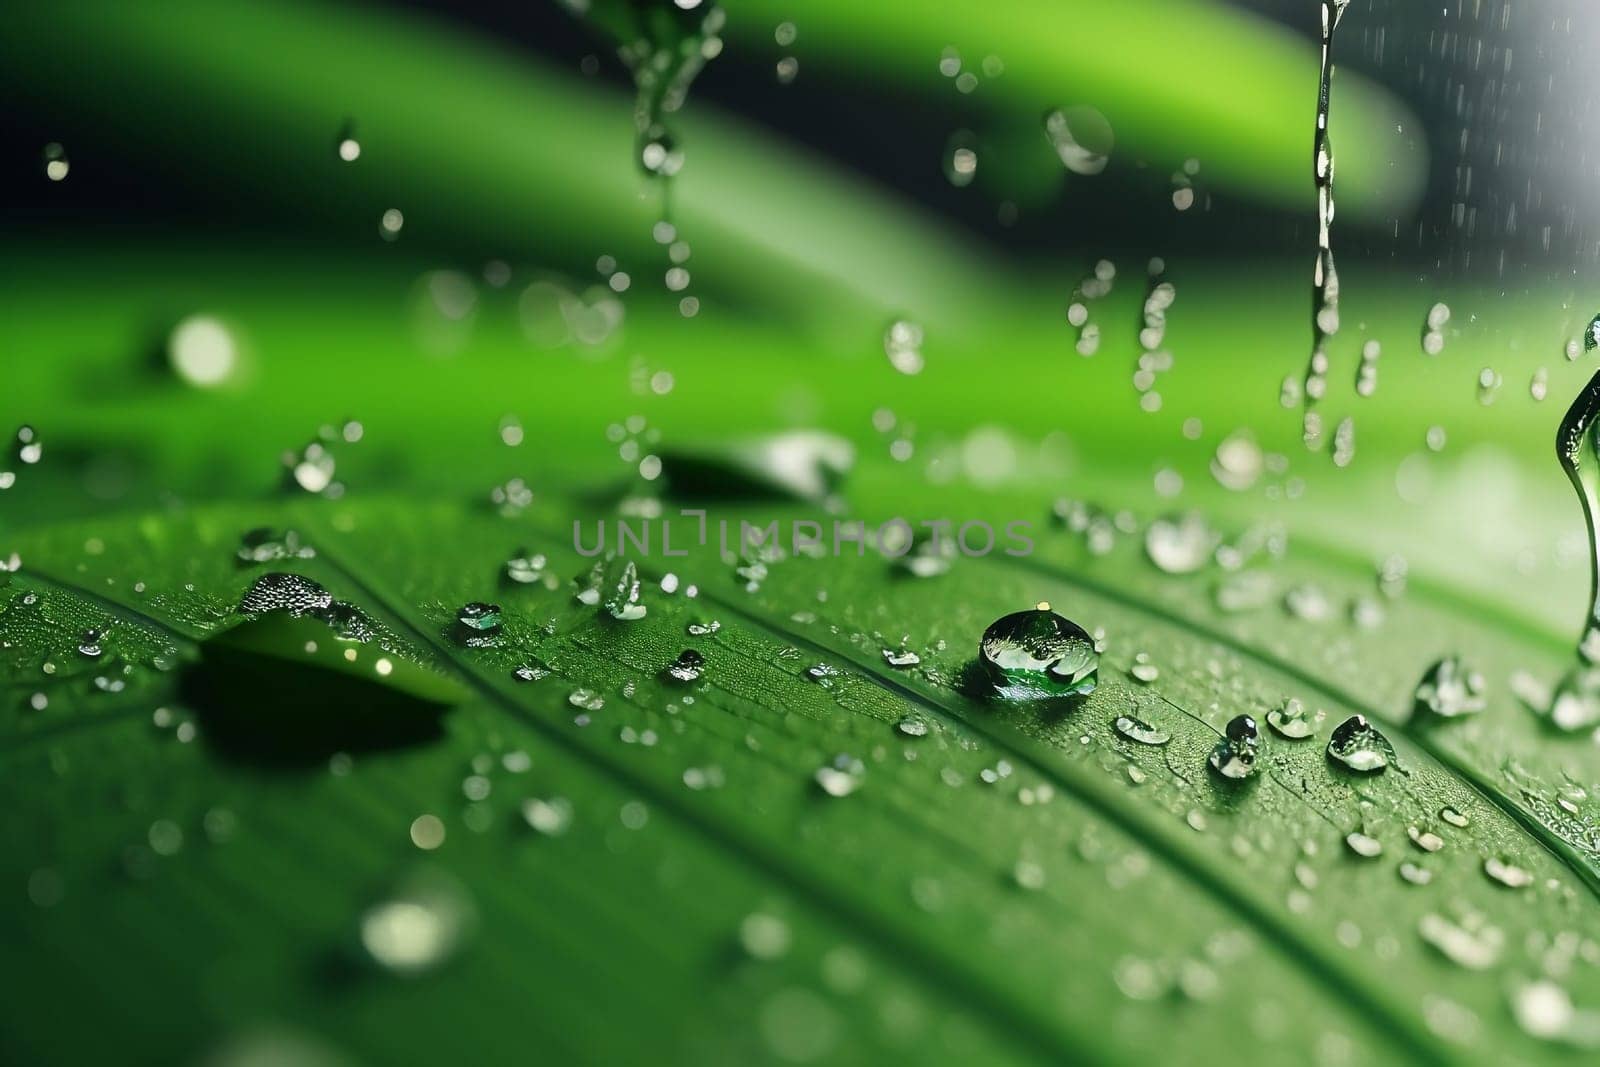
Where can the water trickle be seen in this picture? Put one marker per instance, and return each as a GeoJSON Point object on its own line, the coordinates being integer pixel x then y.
{"type": "Point", "coordinates": [1358, 745]}
{"type": "Point", "coordinates": [1449, 689]}
{"type": "Point", "coordinates": [1140, 731]}
{"type": "Point", "coordinates": [1576, 702]}
{"type": "Point", "coordinates": [1324, 275]}
{"type": "Point", "coordinates": [688, 667]}
{"type": "Point", "coordinates": [1038, 655]}
{"type": "Point", "coordinates": [1235, 755]}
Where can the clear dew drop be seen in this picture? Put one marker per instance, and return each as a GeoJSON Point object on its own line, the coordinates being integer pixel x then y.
{"type": "Point", "coordinates": [912, 726]}
{"type": "Point", "coordinates": [531, 672]}
{"type": "Point", "coordinates": [1454, 818]}
{"type": "Point", "coordinates": [1038, 655]}
{"type": "Point", "coordinates": [1291, 720]}
{"type": "Point", "coordinates": [1450, 689]}
{"type": "Point", "coordinates": [1426, 840]}
{"type": "Point", "coordinates": [1139, 730]}
{"type": "Point", "coordinates": [1234, 757]}
{"type": "Point", "coordinates": [1544, 1010]}
{"type": "Point", "coordinates": [1359, 746]}
{"type": "Point", "coordinates": [478, 624]}
{"type": "Point", "coordinates": [688, 667]}
{"type": "Point", "coordinates": [900, 657]}
{"type": "Point", "coordinates": [1143, 670]}
{"type": "Point", "coordinates": [614, 585]}
{"type": "Point", "coordinates": [703, 629]}
{"type": "Point", "coordinates": [89, 644]}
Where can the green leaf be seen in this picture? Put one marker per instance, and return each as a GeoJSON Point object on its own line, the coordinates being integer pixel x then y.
{"type": "Point", "coordinates": [998, 881]}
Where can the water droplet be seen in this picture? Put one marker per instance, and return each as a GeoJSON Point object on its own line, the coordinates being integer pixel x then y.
{"type": "Point", "coordinates": [1358, 745]}
{"type": "Point", "coordinates": [264, 545]}
{"type": "Point", "coordinates": [1308, 602]}
{"type": "Point", "coordinates": [89, 644]}
{"type": "Point", "coordinates": [531, 672]}
{"type": "Point", "coordinates": [1140, 731]}
{"type": "Point", "coordinates": [688, 667]}
{"type": "Point", "coordinates": [417, 929]}
{"type": "Point", "coordinates": [1415, 873]}
{"type": "Point", "coordinates": [549, 816]}
{"type": "Point", "coordinates": [1180, 545]}
{"type": "Point", "coordinates": [203, 351]}
{"type": "Point", "coordinates": [614, 584]}
{"type": "Point", "coordinates": [1426, 840]}
{"type": "Point", "coordinates": [587, 699]}
{"type": "Point", "coordinates": [702, 629]}
{"type": "Point", "coordinates": [1363, 845]}
{"type": "Point", "coordinates": [836, 782]}
{"type": "Point", "coordinates": [1235, 755]}
{"type": "Point", "coordinates": [1450, 689]}
{"type": "Point", "coordinates": [1291, 720]}
{"type": "Point", "coordinates": [902, 343]}
{"type": "Point", "coordinates": [56, 163]}
{"type": "Point", "coordinates": [1244, 591]}
{"type": "Point", "coordinates": [1507, 874]}
{"type": "Point", "coordinates": [912, 726]}
{"type": "Point", "coordinates": [1454, 817]}
{"type": "Point", "coordinates": [1038, 655]}
{"type": "Point", "coordinates": [900, 657]}
{"type": "Point", "coordinates": [764, 937]}
{"type": "Point", "coordinates": [1471, 943]}
{"type": "Point", "coordinates": [478, 624]}
{"type": "Point", "coordinates": [1081, 137]}
{"type": "Point", "coordinates": [525, 568]}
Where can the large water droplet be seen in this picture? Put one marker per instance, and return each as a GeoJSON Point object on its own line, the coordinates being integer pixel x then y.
{"type": "Point", "coordinates": [1038, 655]}
{"type": "Point", "coordinates": [688, 667]}
{"type": "Point", "coordinates": [1358, 745]}
{"type": "Point", "coordinates": [1235, 755]}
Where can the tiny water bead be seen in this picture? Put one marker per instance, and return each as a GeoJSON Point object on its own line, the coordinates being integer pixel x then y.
{"type": "Point", "coordinates": [688, 667]}
{"type": "Point", "coordinates": [1291, 720]}
{"type": "Point", "coordinates": [56, 163]}
{"type": "Point", "coordinates": [478, 624]}
{"type": "Point", "coordinates": [1507, 874]}
{"type": "Point", "coordinates": [531, 672]}
{"type": "Point", "coordinates": [1039, 655]}
{"type": "Point", "coordinates": [1450, 689]}
{"type": "Point", "coordinates": [1357, 745]}
{"type": "Point", "coordinates": [1235, 755]}
{"type": "Point", "coordinates": [1363, 845]}
{"type": "Point", "coordinates": [89, 644]}
{"type": "Point", "coordinates": [901, 657]}
{"type": "Point", "coordinates": [1140, 731]}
